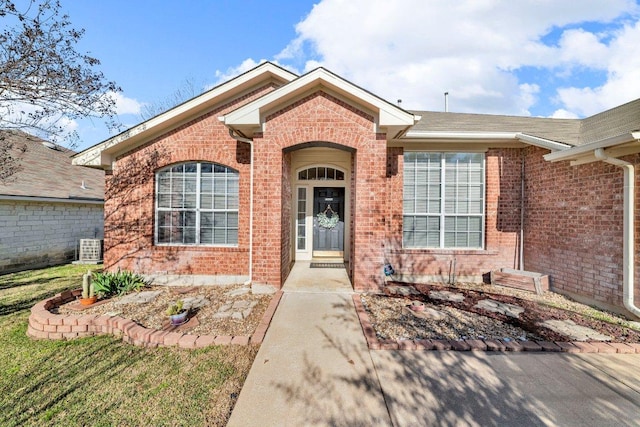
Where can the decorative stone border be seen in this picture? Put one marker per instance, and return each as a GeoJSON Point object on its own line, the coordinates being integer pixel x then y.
{"type": "Point", "coordinates": [486, 345]}
{"type": "Point", "coordinates": [43, 324]}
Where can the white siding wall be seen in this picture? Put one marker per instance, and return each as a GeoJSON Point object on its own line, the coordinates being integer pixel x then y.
{"type": "Point", "coordinates": [36, 234]}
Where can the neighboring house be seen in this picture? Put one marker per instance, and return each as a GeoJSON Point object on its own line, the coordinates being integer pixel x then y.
{"type": "Point", "coordinates": [271, 168]}
{"type": "Point", "coordinates": [47, 205]}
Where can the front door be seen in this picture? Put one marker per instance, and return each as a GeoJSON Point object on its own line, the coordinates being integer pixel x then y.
{"type": "Point", "coordinates": [328, 221]}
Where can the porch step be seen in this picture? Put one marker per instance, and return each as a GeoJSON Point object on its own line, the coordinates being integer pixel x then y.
{"type": "Point", "coordinates": [525, 280]}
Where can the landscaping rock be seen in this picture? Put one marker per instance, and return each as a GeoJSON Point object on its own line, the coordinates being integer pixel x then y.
{"type": "Point", "coordinates": [510, 310]}
{"type": "Point", "coordinates": [238, 292]}
{"type": "Point", "coordinates": [401, 290]}
{"type": "Point", "coordinates": [446, 296]}
{"type": "Point", "coordinates": [139, 298]}
{"type": "Point", "coordinates": [195, 302]}
{"type": "Point", "coordinates": [427, 313]}
{"type": "Point", "coordinates": [574, 331]}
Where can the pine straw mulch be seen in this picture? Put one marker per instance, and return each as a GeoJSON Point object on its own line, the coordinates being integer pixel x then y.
{"type": "Point", "coordinates": [464, 321]}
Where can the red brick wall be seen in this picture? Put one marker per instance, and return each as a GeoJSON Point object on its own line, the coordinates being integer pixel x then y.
{"type": "Point", "coordinates": [129, 205]}
{"type": "Point", "coordinates": [502, 223]}
{"type": "Point", "coordinates": [320, 117]}
{"type": "Point", "coordinates": [573, 227]}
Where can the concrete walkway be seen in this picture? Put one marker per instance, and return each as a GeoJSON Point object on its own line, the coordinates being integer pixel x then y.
{"type": "Point", "coordinates": [314, 368]}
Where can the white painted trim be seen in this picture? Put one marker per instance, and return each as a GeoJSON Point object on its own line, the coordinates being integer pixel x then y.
{"type": "Point", "coordinates": [95, 156]}
{"type": "Point", "coordinates": [77, 201]}
{"type": "Point", "coordinates": [485, 136]}
{"type": "Point", "coordinates": [541, 142]}
{"type": "Point", "coordinates": [423, 134]}
{"type": "Point", "coordinates": [249, 116]}
{"type": "Point", "coordinates": [584, 153]}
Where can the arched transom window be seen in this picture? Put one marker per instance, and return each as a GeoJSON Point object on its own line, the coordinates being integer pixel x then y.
{"type": "Point", "coordinates": [197, 204]}
{"type": "Point", "coordinates": [321, 173]}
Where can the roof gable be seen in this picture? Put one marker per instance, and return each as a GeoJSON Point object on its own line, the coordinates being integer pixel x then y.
{"type": "Point", "coordinates": [102, 154]}
{"type": "Point", "coordinates": [250, 118]}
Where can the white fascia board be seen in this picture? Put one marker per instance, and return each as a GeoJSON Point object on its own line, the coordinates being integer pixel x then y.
{"type": "Point", "coordinates": [486, 136]}
{"type": "Point", "coordinates": [542, 142]}
{"type": "Point", "coordinates": [52, 200]}
{"type": "Point", "coordinates": [178, 114]}
{"type": "Point", "coordinates": [585, 151]}
{"type": "Point", "coordinates": [440, 135]}
{"type": "Point", "coordinates": [249, 115]}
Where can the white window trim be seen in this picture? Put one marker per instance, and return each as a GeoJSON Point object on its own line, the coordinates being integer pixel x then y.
{"type": "Point", "coordinates": [442, 215]}
{"type": "Point", "coordinates": [198, 210]}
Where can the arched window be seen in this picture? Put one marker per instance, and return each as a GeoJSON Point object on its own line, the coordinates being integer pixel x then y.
{"type": "Point", "coordinates": [321, 173]}
{"type": "Point", "coordinates": [197, 204]}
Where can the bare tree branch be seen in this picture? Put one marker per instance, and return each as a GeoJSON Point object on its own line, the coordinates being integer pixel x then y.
{"type": "Point", "coordinates": [44, 81]}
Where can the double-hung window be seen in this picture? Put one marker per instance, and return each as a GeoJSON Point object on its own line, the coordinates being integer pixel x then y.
{"type": "Point", "coordinates": [197, 204]}
{"type": "Point", "coordinates": [443, 200]}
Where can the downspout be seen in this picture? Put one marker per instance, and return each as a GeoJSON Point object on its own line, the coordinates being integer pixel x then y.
{"type": "Point", "coordinates": [628, 245]}
{"type": "Point", "coordinates": [521, 248]}
{"type": "Point", "coordinates": [249, 141]}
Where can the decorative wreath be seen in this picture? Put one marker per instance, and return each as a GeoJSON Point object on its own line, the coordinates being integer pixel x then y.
{"type": "Point", "coordinates": [326, 221]}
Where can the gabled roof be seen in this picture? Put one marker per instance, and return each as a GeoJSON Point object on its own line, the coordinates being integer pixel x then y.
{"type": "Point", "coordinates": [102, 154]}
{"type": "Point", "coordinates": [45, 173]}
{"type": "Point", "coordinates": [250, 117]}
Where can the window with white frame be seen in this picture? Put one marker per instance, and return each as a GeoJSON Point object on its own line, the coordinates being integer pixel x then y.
{"type": "Point", "coordinates": [443, 200]}
{"type": "Point", "coordinates": [197, 204]}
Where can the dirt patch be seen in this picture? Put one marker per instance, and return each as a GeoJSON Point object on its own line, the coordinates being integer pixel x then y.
{"type": "Point", "coordinates": [465, 320]}
{"type": "Point", "coordinates": [152, 314]}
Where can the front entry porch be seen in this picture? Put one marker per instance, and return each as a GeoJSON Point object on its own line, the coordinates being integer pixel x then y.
{"type": "Point", "coordinates": [303, 278]}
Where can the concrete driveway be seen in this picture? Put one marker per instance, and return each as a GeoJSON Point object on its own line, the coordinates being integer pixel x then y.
{"type": "Point", "coordinates": [314, 369]}
{"type": "Point", "coordinates": [509, 389]}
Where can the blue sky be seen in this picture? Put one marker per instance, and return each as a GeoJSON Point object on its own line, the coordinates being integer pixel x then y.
{"type": "Point", "coordinates": [550, 58]}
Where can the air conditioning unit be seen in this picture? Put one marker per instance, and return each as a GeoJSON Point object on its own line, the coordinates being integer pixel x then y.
{"type": "Point", "coordinates": [90, 251]}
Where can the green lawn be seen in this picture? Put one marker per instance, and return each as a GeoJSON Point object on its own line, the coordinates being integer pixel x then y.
{"type": "Point", "coordinates": [101, 381]}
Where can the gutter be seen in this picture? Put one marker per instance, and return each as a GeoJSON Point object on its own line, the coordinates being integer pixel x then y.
{"type": "Point", "coordinates": [478, 136]}
{"type": "Point", "coordinates": [628, 244]}
{"type": "Point", "coordinates": [70, 199]}
{"type": "Point", "coordinates": [249, 141]}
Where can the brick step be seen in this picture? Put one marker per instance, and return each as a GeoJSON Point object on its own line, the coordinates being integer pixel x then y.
{"type": "Point", "coordinates": [525, 280]}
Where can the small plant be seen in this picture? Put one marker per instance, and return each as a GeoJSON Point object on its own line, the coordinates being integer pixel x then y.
{"type": "Point", "coordinates": [88, 288]}
{"type": "Point", "coordinates": [176, 308]}
{"type": "Point", "coordinates": [119, 283]}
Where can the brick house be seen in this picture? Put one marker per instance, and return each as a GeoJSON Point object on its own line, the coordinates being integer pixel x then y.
{"type": "Point", "coordinates": [47, 205]}
{"type": "Point", "coordinates": [271, 168]}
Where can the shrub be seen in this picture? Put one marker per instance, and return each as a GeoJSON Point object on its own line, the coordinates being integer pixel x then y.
{"type": "Point", "coordinates": [119, 283]}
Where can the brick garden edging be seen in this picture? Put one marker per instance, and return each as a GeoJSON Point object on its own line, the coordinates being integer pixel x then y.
{"type": "Point", "coordinates": [43, 324]}
{"type": "Point", "coordinates": [486, 345]}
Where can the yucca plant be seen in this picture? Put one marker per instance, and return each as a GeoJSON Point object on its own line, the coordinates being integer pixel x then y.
{"type": "Point", "coordinates": [119, 283]}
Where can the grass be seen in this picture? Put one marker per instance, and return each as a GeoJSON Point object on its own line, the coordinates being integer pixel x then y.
{"type": "Point", "coordinates": [101, 381]}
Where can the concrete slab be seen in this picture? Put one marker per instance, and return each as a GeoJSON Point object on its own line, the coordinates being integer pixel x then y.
{"type": "Point", "coordinates": [312, 369]}
{"type": "Point", "coordinates": [303, 278]}
{"type": "Point", "coordinates": [480, 389]}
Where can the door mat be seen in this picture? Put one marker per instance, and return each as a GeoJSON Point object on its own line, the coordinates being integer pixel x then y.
{"type": "Point", "coordinates": [327, 265]}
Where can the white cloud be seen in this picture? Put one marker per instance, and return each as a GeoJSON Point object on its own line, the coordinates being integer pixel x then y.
{"type": "Point", "coordinates": [623, 77]}
{"type": "Point", "coordinates": [416, 50]}
{"type": "Point", "coordinates": [563, 114]}
{"type": "Point", "coordinates": [125, 105]}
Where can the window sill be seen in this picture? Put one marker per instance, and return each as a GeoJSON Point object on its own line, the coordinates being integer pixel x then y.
{"type": "Point", "coordinates": [435, 251]}
{"type": "Point", "coordinates": [198, 248]}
